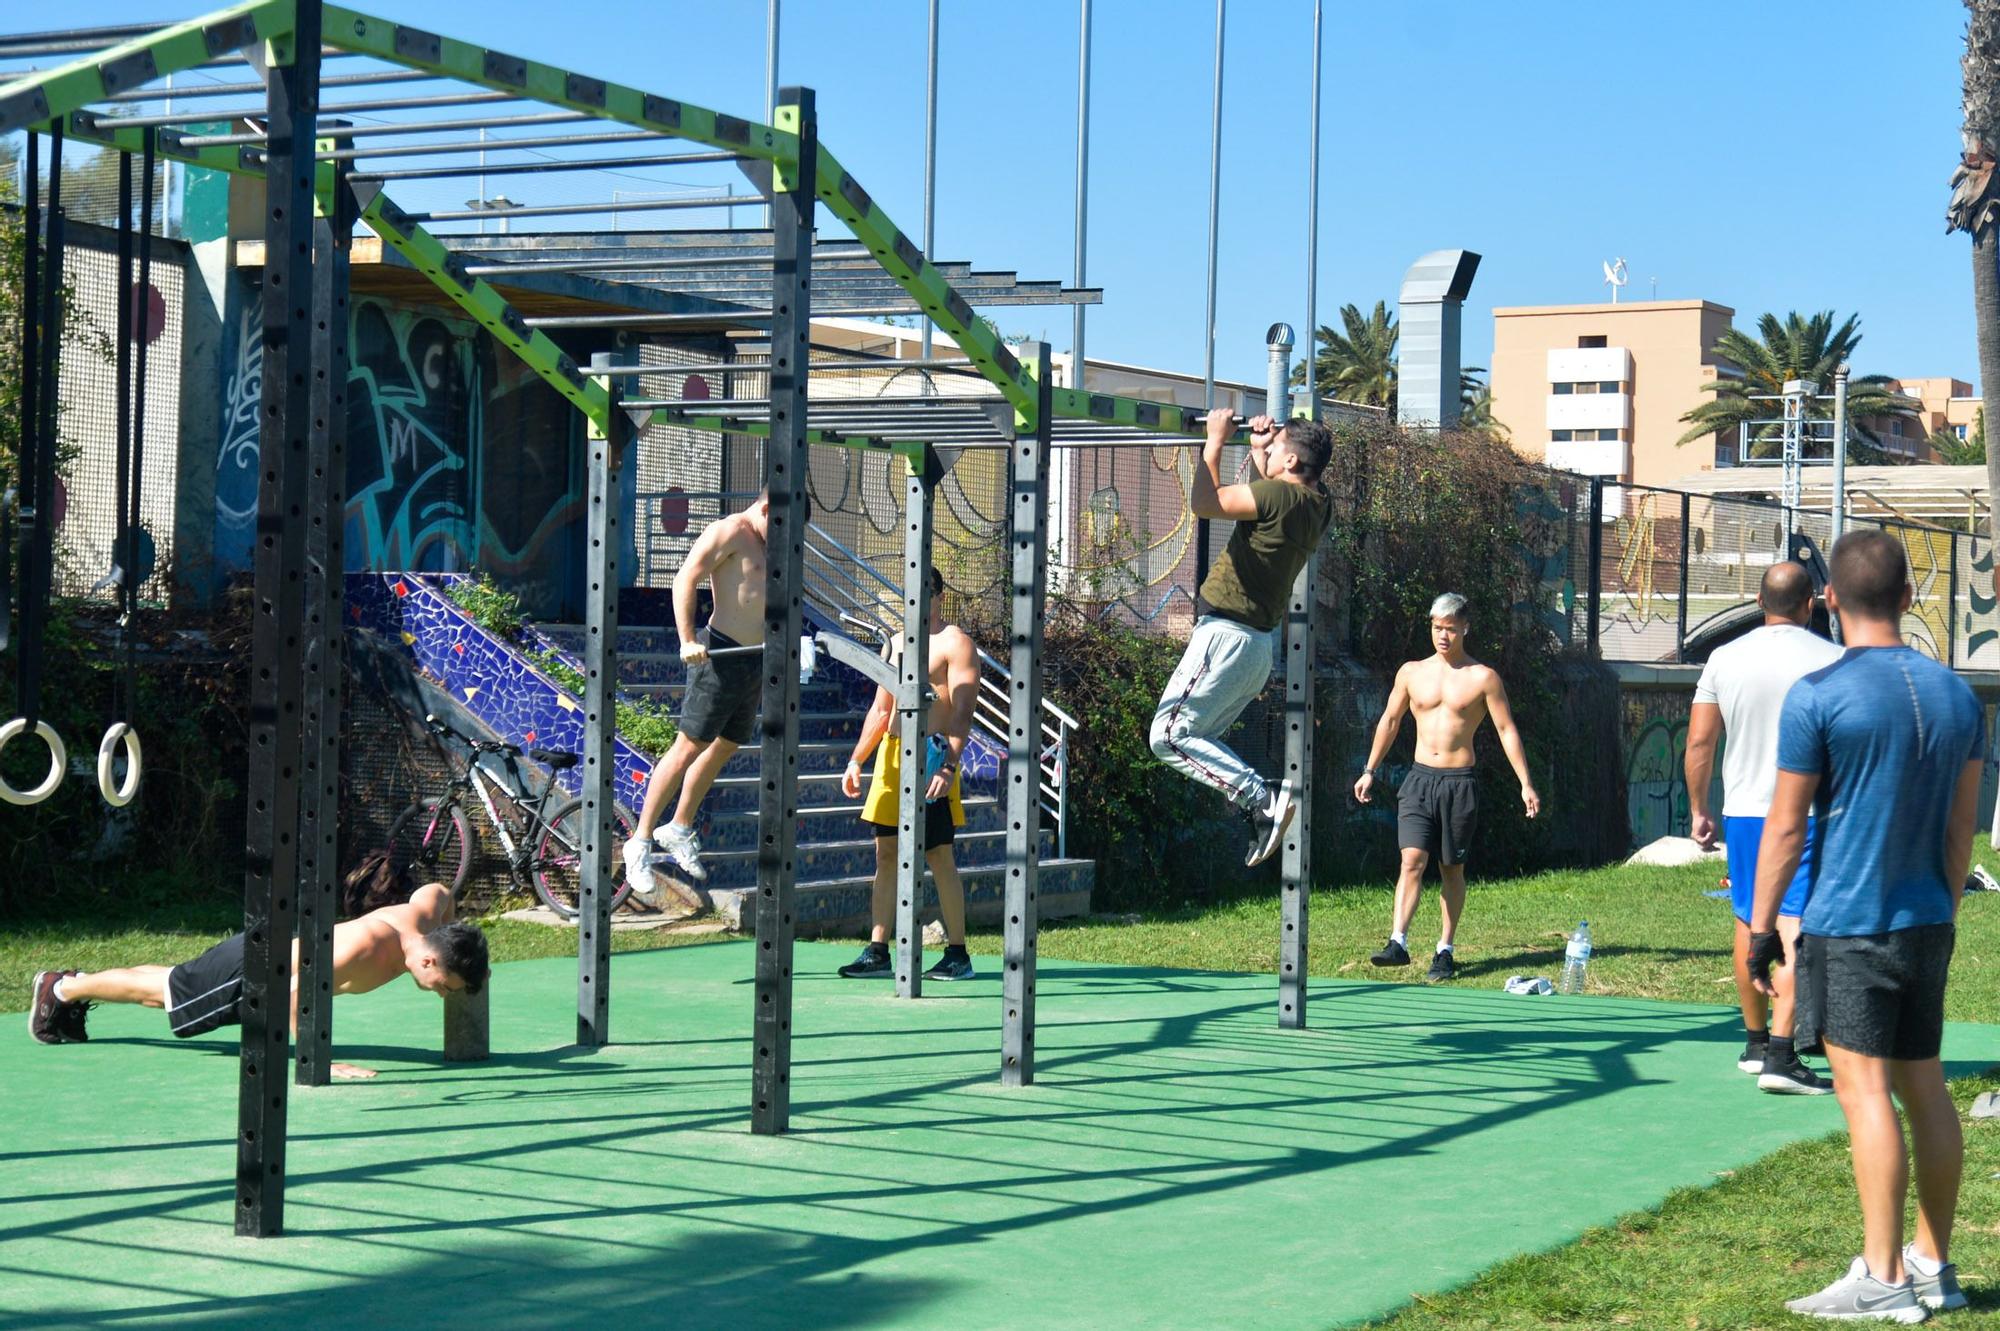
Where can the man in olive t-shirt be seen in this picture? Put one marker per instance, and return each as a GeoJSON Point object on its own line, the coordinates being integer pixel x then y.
{"type": "Point", "coordinates": [1280, 518]}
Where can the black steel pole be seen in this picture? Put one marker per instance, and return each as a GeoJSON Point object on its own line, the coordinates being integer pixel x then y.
{"type": "Point", "coordinates": [1296, 863]}
{"type": "Point", "coordinates": [326, 496]}
{"type": "Point", "coordinates": [1951, 610]}
{"type": "Point", "coordinates": [785, 459]}
{"type": "Point", "coordinates": [1027, 540]}
{"type": "Point", "coordinates": [600, 725]}
{"type": "Point", "coordinates": [277, 627]}
{"type": "Point", "coordinates": [912, 712]}
{"type": "Point", "coordinates": [1681, 634]}
{"type": "Point", "coordinates": [1591, 598]}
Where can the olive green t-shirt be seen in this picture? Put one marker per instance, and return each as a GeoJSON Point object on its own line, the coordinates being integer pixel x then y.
{"type": "Point", "coordinates": [1254, 577]}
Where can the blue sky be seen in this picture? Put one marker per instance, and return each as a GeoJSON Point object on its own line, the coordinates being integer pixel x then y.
{"type": "Point", "coordinates": [1769, 156]}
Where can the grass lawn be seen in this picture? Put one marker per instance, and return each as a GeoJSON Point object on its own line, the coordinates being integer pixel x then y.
{"type": "Point", "coordinates": [1722, 1256]}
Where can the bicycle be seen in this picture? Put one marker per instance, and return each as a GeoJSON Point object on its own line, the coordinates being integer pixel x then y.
{"type": "Point", "coordinates": [433, 837]}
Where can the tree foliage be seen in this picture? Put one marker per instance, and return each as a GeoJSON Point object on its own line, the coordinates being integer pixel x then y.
{"type": "Point", "coordinates": [1795, 347]}
{"type": "Point", "coordinates": [1967, 452]}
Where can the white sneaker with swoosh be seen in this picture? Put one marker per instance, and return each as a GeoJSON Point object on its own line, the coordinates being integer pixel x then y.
{"type": "Point", "coordinates": [1860, 1297]}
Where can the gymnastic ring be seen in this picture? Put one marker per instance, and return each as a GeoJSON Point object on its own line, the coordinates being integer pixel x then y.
{"type": "Point", "coordinates": [118, 796]}
{"type": "Point", "coordinates": [58, 761]}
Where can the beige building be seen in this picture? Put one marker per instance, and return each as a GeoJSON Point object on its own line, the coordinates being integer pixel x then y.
{"type": "Point", "coordinates": [1945, 404]}
{"type": "Point", "coordinates": [1600, 389]}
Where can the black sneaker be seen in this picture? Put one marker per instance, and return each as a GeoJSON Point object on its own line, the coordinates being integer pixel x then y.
{"type": "Point", "coordinates": [70, 1018]}
{"type": "Point", "coordinates": [45, 1012]}
{"type": "Point", "coordinates": [1791, 1077]}
{"type": "Point", "coordinates": [1393, 953]}
{"type": "Point", "coordinates": [1751, 1060]}
{"type": "Point", "coordinates": [1268, 824]}
{"type": "Point", "coordinates": [1442, 967]}
{"type": "Point", "coordinates": [872, 964]}
{"type": "Point", "coordinates": [955, 964]}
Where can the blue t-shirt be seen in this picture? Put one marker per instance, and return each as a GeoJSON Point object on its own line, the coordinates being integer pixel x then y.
{"type": "Point", "coordinates": [1888, 731]}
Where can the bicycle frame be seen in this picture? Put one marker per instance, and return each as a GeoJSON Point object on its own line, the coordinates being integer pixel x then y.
{"type": "Point", "coordinates": [486, 785]}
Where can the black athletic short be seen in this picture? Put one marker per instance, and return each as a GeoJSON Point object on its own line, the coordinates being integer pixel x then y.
{"type": "Point", "coordinates": [938, 828]}
{"type": "Point", "coordinates": [723, 693]}
{"type": "Point", "coordinates": [1879, 994]}
{"type": "Point", "coordinates": [1438, 812]}
{"type": "Point", "coordinates": [203, 994]}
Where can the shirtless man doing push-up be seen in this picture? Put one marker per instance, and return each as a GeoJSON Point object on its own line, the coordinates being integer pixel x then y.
{"type": "Point", "coordinates": [417, 938]}
{"type": "Point", "coordinates": [1450, 694]}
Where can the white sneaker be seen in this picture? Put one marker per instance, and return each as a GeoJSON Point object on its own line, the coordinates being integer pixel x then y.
{"type": "Point", "coordinates": [683, 847]}
{"type": "Point", "coordinates": [639, 872]}
{"type": "Point", "coordinates": [1859, 1296]}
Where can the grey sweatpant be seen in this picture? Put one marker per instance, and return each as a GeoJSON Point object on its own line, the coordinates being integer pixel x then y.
{"type": "Point", "coordinates": [1226, 665]}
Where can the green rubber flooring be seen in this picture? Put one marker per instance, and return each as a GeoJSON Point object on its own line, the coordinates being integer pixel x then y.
{"type": "Point", "coordinates": [1180, 1163]}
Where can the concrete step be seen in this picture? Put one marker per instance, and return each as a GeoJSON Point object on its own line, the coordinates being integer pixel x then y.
{"type": "Point", "coordinates": [822, 861]}
{"type": "Point", "coordinates": [736, 829]}
{"type": "Point", "coordinates": [841, 906]}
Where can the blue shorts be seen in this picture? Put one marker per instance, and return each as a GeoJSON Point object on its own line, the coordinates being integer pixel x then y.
{"type": "Point", "coordinates": [1742, 836]}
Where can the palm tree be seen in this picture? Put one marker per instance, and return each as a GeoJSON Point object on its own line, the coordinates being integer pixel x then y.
{"type": "Point", "coordinates": [1793, 348]}
{"type": "Point", "coordinates": [1975, 207]}
{"type": "Point", "coordinates": [1475, 411]}
{"type": "Point", "coordinates": [1361, 366]}
{"type": "Point", "coordinates": [1967, 452]}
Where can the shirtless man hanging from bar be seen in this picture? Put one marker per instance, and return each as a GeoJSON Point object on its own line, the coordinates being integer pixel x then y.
{"type": "Point", "coordinates": [724, 663]}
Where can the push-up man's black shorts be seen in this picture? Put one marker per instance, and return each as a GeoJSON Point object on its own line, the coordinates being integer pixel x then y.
{"type": "Point", "coordinates": [203, 994]}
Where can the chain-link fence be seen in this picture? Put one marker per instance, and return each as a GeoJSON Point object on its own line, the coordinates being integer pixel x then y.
{"type": "Point", "coordinates": [1672, 571]}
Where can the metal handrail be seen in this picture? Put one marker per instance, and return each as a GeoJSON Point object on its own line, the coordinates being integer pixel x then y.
{"type": "Point", "coordinates": [994, 680]}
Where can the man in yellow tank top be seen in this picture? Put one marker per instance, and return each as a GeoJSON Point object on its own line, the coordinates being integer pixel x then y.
{"type": "Point", "coordinates": [954, 672]}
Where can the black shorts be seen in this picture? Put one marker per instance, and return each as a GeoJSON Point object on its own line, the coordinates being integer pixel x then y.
{"type": "Point", "coordinates": [1438, 811]}
{"type": "Point", "coordinates": [938, 828]}
{"type": "Point", "coordinates": [723, 693]}
{"type": "Point", "coordinates": [1879, 994]}
{"type": "Point", "coordinates": [203, 994]}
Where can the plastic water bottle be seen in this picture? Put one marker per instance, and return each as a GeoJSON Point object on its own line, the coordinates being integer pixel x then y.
{"type": "Point", "coordinates": [808, 657]}
{"type": "Point", "coordinates": [1576, 961]}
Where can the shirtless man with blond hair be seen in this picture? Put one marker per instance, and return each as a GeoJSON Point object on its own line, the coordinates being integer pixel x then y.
{"type": "Point", "coordinates": [418, 938]}
{"type": "Point", "coordinates": [954, 674]}
{"type": "Point", "coordinates": [1450, 694]}
{"type": "Point", "coordinates": [724, 688]}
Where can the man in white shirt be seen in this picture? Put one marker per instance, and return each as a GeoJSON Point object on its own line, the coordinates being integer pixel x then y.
{"type": "Point", "coordinates": [1742, 692]}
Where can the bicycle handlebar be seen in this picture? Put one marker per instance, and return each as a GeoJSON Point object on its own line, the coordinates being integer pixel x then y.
{"type": "Point", "coordinates": [438, 726]}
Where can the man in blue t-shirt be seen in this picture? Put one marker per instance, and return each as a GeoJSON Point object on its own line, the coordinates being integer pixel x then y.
{"type": "Point", "coordinates": [1884, 748]}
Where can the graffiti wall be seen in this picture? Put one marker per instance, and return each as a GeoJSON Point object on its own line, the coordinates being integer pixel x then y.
{"type": "Point", "coordinates": [1655, 747]}
{"type": "Point", "coordinates": [457, 456]}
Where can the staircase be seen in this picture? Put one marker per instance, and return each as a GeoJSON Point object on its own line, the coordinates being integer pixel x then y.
{"type": "Point", "coordinates": [498, 683]}
{"type": "Point", "coordinates": [836, 855]}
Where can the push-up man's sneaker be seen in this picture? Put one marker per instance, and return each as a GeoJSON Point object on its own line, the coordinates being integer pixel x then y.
{"type": "Point", "coordinates": [1859, 1296]}
{"type": "Point", "coordinates": [1938, 1292]}
{"type": "Point", "coordinates": [1751, 1060]}
{"type": "Point", "coordinates": [45, 1010]}
{"type": "Point", "coordinates": [955, 964]}
{"type": "Point", "coordinates": [1791, 1077]}
{"type": "Point", "coordinates": [1393, 953]}
{"type": "Point", "coordinates": [872, 964]}
{"type": "Point", "coordinates": [1442, 967]}
{"type": "Point", "coordinates": [639, 872]}
{"type": "Point", "coordinates": [683, 847]}
{"type": "Point", "coordinates": [1268, 822]}
{"type": "Point", "coordinates": [71, 1019]}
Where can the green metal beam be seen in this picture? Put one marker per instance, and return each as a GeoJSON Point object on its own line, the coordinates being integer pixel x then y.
{"type": "Point", "coordinates": [103, 134]}
{"type": "Point", "coordinates": [913, 271]}
{"type": "Point", "coordinates": [476, 296]}
{"type": "Point", "coordinates": [35, 98]}
{"type": "Point", "coordinates": [909, 450]}
{"type": "Point", "coordinates": [404, 44]}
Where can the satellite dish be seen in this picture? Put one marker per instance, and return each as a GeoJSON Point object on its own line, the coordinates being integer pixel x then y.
{"type": "Point", "coordinates": [1614, 277]}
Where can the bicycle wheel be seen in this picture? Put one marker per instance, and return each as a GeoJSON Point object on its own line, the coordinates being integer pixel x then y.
{"type": "Point", "coordinates": [434, 842]}
{"type": "Point", "coordinates": [556, 870]}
